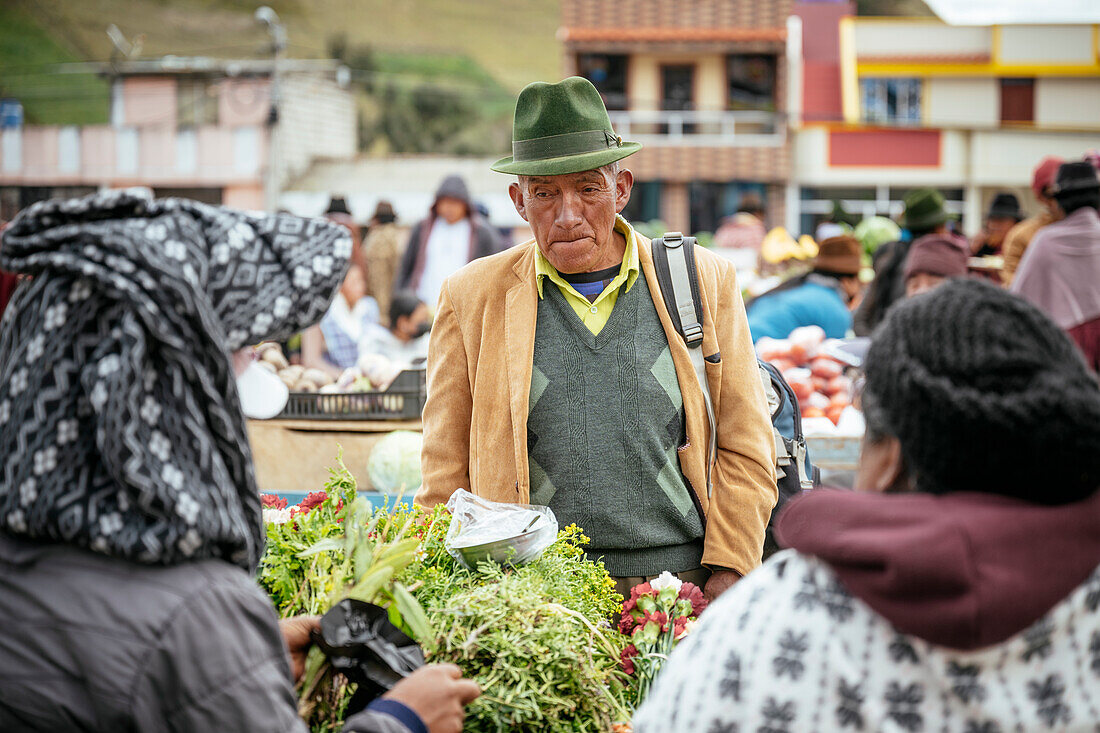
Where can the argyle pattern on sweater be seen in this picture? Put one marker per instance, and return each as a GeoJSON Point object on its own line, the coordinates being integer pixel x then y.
{"type": "Point", "coordinates": [606, 419]}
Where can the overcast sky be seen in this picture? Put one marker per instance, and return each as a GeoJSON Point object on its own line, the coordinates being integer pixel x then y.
{"type": "Point", "coordinates": [989, 12]}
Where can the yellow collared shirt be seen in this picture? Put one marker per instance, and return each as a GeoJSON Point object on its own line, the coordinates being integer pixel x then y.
{"type": "Point", "coordinates": [594, 314]}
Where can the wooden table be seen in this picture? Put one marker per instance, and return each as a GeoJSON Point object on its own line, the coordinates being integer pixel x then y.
{"type": "Point", "coordinates": [296, 455]}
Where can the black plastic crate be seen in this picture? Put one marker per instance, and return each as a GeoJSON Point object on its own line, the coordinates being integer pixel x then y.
{"type": "Point", "coordinates": [403, 400]}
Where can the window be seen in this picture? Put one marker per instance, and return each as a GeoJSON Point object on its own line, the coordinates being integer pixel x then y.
{"type": "Point", "coordinates": [196, 102]}
{"type": "Point", "coordinates": [711, 202]}
{"type": "Point", "coordinates": [751, 82]}
{"type": "Point", "coordinates": [645, 202]}
{"type": "Point", "coordinates": [607, 72]}
{"type": "Point", "coordinates": [891, 100]}
{"type": "Point", "coordinates": [1017, 100]}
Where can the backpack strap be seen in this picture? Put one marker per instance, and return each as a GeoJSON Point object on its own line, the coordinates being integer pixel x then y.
{"type": "Point", "coordinates": [674, 262]}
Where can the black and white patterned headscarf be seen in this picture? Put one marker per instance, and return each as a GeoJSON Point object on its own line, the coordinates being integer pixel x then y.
{"type": "Point", "coordinates": [120, 426]}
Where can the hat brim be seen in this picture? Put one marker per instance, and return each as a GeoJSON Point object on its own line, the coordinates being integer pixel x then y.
{"type": "Point", "coordinates": [924, 223]}
{"type": "Point", "coordinates": [567, 163]}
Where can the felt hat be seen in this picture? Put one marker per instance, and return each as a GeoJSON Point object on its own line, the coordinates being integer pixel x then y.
{"type": "Point", "coordinates": [937, 254]}
{"type": "Point", "coordinates": [562, 128]}
{"type": "Point", "coordinates": [840, 255]}
{"type": "Point", "coordinates": [1042, 177]}
{"type": "Point", "coordinates": [1005, 206]}
{"type": "Point", "coordinates": [923, 209]}
{"type": "Point", "coordinates": [1077, 176]}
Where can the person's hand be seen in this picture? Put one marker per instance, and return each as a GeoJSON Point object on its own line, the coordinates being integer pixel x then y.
{"type": "Point", "coordinates": [296, 631]}
{"type": "Point", "coordinates": [438, 694]}
{"type": "Point", "coordinates": [719, 582]}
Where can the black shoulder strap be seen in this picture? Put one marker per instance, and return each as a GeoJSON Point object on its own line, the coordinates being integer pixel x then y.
{"type": "Point", "coordinates": [674, 263]}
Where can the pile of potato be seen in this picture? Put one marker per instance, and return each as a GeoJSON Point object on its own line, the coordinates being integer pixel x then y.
{"type": "Point", "coordinates": [296, 377]}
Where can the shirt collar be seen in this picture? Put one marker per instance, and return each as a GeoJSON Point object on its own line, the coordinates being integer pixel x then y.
{"type": "Point", "coordinates": [628, 271]}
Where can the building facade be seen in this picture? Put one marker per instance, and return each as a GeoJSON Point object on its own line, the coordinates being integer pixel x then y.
{"type": "Point", "coordinates": [890, 104]}
{"type": "Point", "coordinates": [704, 85]}
{"type": "Point", "coordinates": [193, 127]}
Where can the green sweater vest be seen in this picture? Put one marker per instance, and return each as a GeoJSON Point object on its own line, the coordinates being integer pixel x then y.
{"type": "Point", "coordinates": [606, 417]}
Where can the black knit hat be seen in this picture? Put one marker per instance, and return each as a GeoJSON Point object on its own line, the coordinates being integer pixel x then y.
{"type": "Point", "coordinates": [985, 393]}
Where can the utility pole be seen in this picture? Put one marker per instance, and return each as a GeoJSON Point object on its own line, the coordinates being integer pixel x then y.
{"type": "Point", "coordinates": [277, 30]}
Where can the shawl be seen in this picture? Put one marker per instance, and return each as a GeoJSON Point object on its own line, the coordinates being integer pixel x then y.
{"type": "Point", "coordinates": [1060, 271]}
{"type": "Point", "coordinates": [120, 424]}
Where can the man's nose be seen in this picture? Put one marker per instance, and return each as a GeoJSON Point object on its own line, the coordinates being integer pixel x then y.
{"type": "Point", "coordinates": [569, 214]}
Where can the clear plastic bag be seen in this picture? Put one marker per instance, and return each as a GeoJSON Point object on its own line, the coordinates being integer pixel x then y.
{"type": "Point", "coordinates": [507, 534]}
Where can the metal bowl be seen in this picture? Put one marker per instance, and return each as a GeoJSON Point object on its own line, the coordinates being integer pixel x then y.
{"type": "Point", "coordinates": [502, 552]}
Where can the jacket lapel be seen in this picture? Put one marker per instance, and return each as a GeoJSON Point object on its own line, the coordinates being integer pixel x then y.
{"type": "Point", "coordinates": [520, 311]}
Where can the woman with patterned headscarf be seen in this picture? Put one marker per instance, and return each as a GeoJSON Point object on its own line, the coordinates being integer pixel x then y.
{"type": "Point", "coordinates": [129, 514]}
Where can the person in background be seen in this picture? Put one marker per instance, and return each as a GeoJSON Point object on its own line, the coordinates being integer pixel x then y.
{"type": "Point", "coordinates": [957, 589]}
{"type": "Point", "coordinates": [406, 339]}
{"type": "Point", "coordinates": [333, 344]}
{"type": "Point", "coordinates": [1019, 237]}
{"type": "Point", "coordinates": [1060, 271]}
{"type": "Point", "coordinates": [745, 229]}
{"type": "Point", "coordinates": [1004, 213]}
{"type": "Point", "coordinates": [820, 298]}
{"type": "Point", "coordinates": [382, 250]}
{"type": "Point", "coordinates": [130, 519]}
{"type": "Point", "coordinates": [933, 259]}
{"type": "Point", "coordinates": [838, 222]}
{"type": "Point", "coordinates": [339, 213]}
{"type": "Point", "coordinates": [452, 236]}
{"type": "Point", "coordinates": [924, 214]}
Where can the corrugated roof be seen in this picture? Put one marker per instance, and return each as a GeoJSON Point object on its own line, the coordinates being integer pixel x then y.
{"type": "Point", "coordinates": [672, 34]}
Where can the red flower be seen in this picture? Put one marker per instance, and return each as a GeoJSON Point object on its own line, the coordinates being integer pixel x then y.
{"type": "Point", "coordinates": [678, 626]}
{"type": "Point", "coordinates": [691, 592]}
{"type": "Point", "coordinates": [660, 618]}
{"type": "Point", "coordinates": [629, 606]}
{"type": "Point", "coordinates": [626, 658]}
{"type": "Point", "coordinates": [313, 500]}
{"type": "Point", "coordinates": [270, 501]}
{"type": "Point", "coordinates": [626, 624]}
{"type": "Point", "coordinates": [642, 589]}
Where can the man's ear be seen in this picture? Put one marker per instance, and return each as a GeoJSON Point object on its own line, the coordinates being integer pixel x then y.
{"type": "Point", "coordinates": [624, 183]}
{"type": "Point", "coordinates": [516, 192]}
{"type": "Point", "coordinates": [894, 475]}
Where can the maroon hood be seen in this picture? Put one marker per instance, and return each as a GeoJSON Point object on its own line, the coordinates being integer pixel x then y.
{"type": "Point", "coordinates": [962, 570]}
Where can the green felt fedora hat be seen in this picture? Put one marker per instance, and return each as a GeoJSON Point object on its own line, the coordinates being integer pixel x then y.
{"type": "Point", "coordinates": [924, 209]}
{"type": "Point", "coordinates": [562, 128]}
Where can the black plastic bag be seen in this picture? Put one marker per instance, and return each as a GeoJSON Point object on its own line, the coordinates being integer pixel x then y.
{"type": "Point", "coordinates": [365, 647]}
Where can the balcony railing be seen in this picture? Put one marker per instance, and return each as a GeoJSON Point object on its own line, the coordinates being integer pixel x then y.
{"type": "Point", "coordinates": [705, 128]}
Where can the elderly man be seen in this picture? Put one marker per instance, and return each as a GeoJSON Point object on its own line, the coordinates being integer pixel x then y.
{"type": "Point", "coordinates": [556, 376]}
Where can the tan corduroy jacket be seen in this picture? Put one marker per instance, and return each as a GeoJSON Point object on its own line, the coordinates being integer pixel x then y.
{"type": "Point", "coordinates": [479, 380]}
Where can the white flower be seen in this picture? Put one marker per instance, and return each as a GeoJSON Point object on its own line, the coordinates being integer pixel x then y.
{"type": "Point", "coordinates": [666, 580]}
{"type": "Point", "coordinates": [35, 347]}
{"type": "Point", "coordinates": [150, 411]}
{"type": "Point", "coordinates": [188, 508]}
{"type": "Point", "coordinates": [322, 265]}
{"type": "Point", "coordinates": [98, 395]}
{"type": "Point", "coordinates": [172, 476]}
{"type": "Point", "coordinates": [276, 516]}
{"type": "Point", "coordinates": [66, 431]}
{"type": "Point", "coordinates": [18, 382]}
{"type": "Point", "coordinates": [45, 460]}
{"type": "Point", "coordinates": [342, 247]}
{"type": "Point", "coordinates": [175, 249]}
{"type": "Point", "coordinates": [159, 445]}
{"type": "Point", "coordinates": [28, 491]}
{"type": "Point", "coordinates": [190, 542]}
{"type": "Point", "coordinates": [156, 232]}
{"type": "Point", "coordinates": [16, 521]}
{"type": "Point", "coordinates": [55, 316]}
{"type": "Point", "coordinates": [220, 253]}
{"type": "Point", "coordinates": [237, 336]}
{"type": "Point", "coordinates": [108, 365]}
{"type": "Point", "coordinates": [262, 324]}
{"type": "Point", "coordinates": [120, 264]}
{"type": "Point", "coordinates": [82, 288]}
{"type": "Point", "coordinates": [5, 411]}
{"type": "Point", "coordinates": [110, 523]}
{"type": "Point", "coordinates": [303, 277]}
{"type": "Point", "coordinates": [240, 235]}
{"type": "Point", "coordinates": [281, 306]}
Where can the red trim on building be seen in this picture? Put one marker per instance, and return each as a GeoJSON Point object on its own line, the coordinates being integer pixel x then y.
{"type": "Point", "coordinates": [659, 35]}
{"type": "Point", "coordinates": [880, 148]}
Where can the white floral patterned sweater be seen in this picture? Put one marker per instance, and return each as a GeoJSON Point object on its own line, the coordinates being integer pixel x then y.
{"type": "Point", "coordinates": [790, 650]}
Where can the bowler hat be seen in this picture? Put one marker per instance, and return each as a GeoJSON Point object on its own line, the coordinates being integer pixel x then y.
{"type": "Point", "coordinates": [923, 209]}
{"type": "Point", "coordinates": [562, 128]}
{"type": "Point", "coordinates": [839, 255]}
{"type": "Point", "coordinates": [1077, 176]}
{"type": "Point", "coordinates": [1005, 206]}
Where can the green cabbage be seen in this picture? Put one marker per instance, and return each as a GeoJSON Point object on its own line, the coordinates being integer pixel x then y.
{"type": "Point", "coordinates": [875, 231]}
{"type": "Point", "coordinates": [394, 463]}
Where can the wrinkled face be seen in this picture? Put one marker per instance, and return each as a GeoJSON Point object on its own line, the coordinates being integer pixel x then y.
{"type": "Point", "coordinates": [573, 216]}
{"type": "Point", "coordinates": [922, 282]}
{"type": "Point", "coordinates": [450, 210]}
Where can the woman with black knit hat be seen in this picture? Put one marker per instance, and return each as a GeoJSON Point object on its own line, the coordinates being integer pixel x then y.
{"type": "Point", "coordinates": [130, 519]}
{"type": "Point", "coordinates": [960, 589]}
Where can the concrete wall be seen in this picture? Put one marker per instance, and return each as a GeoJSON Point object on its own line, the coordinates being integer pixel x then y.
{"type": "Point", "coordinates": [317, 120]}
{"type": "Point", "coordinates": [644, 80]}
{"type": "Point", "coordinates": [1068, 102]}
{"type": "Point", "coordinates": [905, 37]}
{"type": "Point", "coordinates": [1043, 44]}
{"type": "Point", "coordinates": [149, 101]}
{"type": "Point", "coordinates": [961, 102]}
